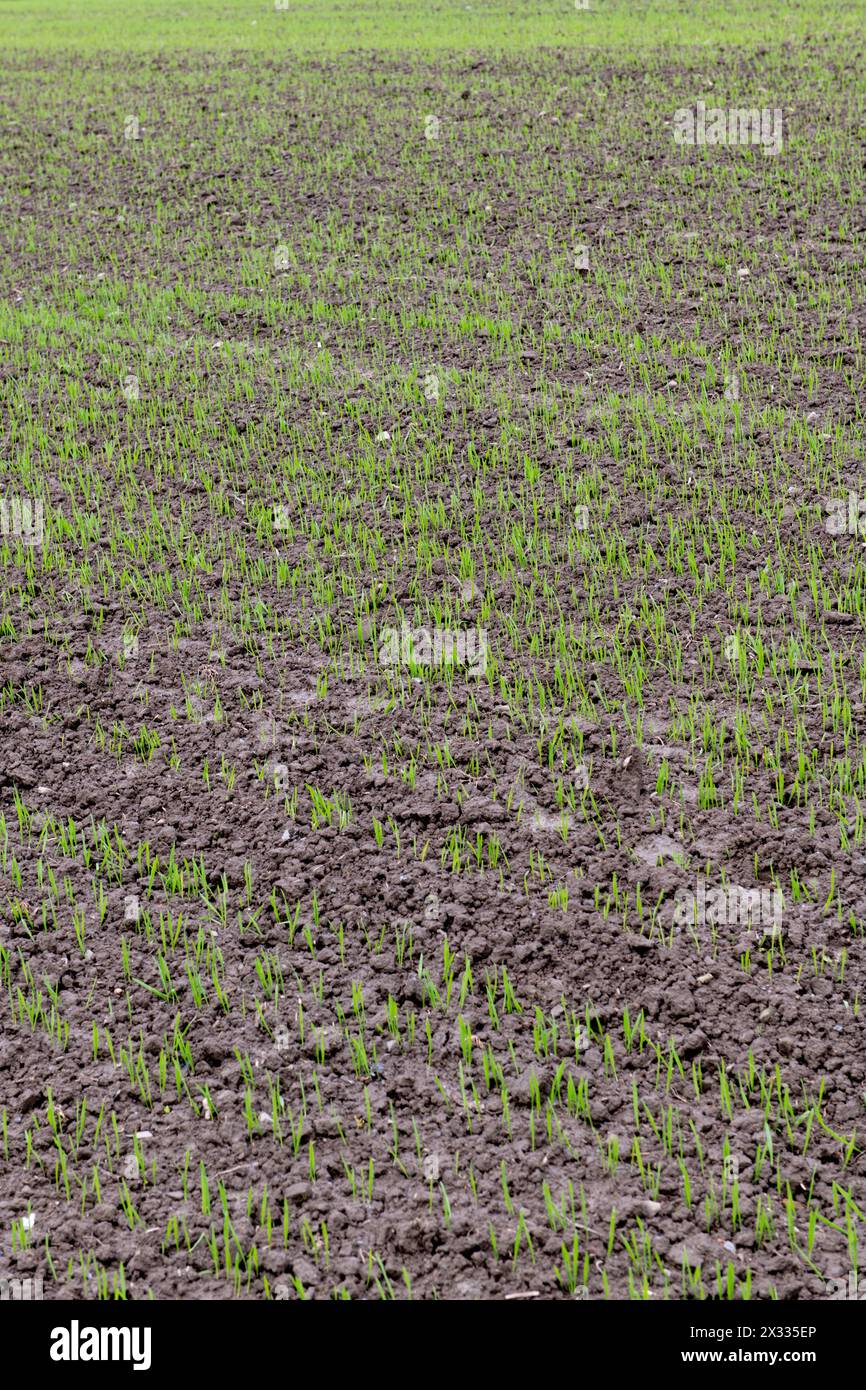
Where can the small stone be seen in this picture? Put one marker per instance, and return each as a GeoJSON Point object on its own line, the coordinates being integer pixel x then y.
{"type": "Point", "coordinates": [521, 1090]}
{"type": "Point", "coordinates": [640, 945]}
{"type": "Point", "coordinates": [31, 1100]}
{"type": "Point", "coordinates": [682, 1251]}
{"type": "Point", "coordinates": [693, 1045]}
{"type": "Point", "coordinates": [305, 1270]}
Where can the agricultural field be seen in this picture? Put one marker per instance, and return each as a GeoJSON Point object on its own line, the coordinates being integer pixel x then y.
{"type": "Point", "coordinates": [432, 664]}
